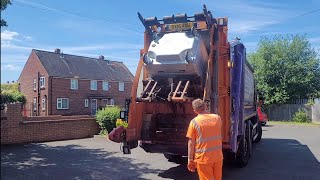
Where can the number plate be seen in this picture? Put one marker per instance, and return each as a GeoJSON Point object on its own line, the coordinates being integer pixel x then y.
{"type": "Point", "coordinates": [180, 26]}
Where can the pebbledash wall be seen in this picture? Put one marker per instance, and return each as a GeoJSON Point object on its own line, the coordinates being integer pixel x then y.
{"type": "Point", "coordinates": [16, 129]}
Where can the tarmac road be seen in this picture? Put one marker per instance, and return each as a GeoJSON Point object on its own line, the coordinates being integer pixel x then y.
{"type": "Point", "coordinates": [286, 152]}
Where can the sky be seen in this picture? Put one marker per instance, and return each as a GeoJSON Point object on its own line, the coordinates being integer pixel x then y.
{"type": "Point", "coordinates": [112, 28]}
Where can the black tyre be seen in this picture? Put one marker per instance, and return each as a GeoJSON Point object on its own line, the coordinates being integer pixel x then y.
{"type": "Point", "coordinates": [259, 131]}
{"type": "Point", "coordinates": [173, 158]}
{"type": "Point", "coordinates": [245, 147]}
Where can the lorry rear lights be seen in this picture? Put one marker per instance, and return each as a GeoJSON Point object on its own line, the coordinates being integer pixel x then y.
{"type": "Point", "coordinates": [146, 59]}
{"type": "Point", "coordinates": [221, 21]}
{"type": "Point", "coordinates": [230, 64]}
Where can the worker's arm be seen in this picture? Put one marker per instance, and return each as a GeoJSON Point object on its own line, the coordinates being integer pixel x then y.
{"type": "Point", "coordinates": [191, 134]}
{"type": "Point", "coordinates": [191, 147]}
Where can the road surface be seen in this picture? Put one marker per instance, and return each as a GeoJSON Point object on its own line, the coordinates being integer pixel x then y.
{"type": "Point", "coordinates": [285, 152]}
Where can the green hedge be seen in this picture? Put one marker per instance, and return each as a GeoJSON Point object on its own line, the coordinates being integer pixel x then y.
{"type": "Point", "coordinates": [301, 116]}
{"type": "Point", "coordinates": [10, 93]}
{"type": "Point", "coordinates": [107, 117]}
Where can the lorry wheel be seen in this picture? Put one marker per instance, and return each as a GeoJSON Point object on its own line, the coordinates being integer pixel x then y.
{"type": "Point", "coordinates": [173, 158]}
{"type": "Point", "coordinates": [259, 131]}
{"type": "Point", "coordinates": [244, 151]}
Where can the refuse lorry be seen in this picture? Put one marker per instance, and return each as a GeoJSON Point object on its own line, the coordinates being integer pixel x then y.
{"type": "Point", "coordinates": [185, 58]}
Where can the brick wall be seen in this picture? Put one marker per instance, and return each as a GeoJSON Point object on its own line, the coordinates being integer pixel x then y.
{"type": "Point", "coordinates": [16, 129]}
{"type": "Point", "coordinates": [33, 69]}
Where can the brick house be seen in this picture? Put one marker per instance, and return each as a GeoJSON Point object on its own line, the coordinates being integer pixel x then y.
{"type": "Point", "coordinates": [61, 84]}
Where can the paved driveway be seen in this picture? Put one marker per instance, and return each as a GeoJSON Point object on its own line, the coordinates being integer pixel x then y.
{"type": "Point", "coordinates": [285, 152]}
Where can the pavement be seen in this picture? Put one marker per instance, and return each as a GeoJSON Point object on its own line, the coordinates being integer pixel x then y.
{"type": "Point", "coordinates": [286, 152]}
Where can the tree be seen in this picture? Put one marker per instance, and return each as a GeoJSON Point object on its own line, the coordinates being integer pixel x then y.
{"type": "Point", "coordinates": [10, 93]}
{"type": "Point", "coordinates": [4, 4]}
{"type": "Point", "coordinates": [286, 68]}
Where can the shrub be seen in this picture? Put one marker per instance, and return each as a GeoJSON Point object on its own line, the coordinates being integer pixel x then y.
{"type": "Point", "coordinates": [106, 118]}
{"type": "Point", "coordinates": [301, 116]}
{"type": "Point", "coordinates": [9, 96]}
{"type": "Point", "coordinates": [120, 122]}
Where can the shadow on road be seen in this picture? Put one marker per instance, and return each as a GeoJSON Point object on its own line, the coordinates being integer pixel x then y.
{"type": "Point", "coordinates": [272, 159]}
{"type": "Point", "coordinates": [40, 161]}
{"type": "Point", "coordinates": [267, 125]}
{"type": "Point", "coordinates": [179, 172]}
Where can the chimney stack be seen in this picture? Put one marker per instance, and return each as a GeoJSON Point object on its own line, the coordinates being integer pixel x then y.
{"type": "Point", "coordinates": [101, 57]}
{"type": "Point", "coordinates": [57, 51]}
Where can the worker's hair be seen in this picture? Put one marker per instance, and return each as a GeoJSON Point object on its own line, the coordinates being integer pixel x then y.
{"type": "Point", "coordinates": [198, 105]}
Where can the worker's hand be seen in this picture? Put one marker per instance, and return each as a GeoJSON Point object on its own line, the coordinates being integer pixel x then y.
{"type": "Point", "coordinates": [191, 165]}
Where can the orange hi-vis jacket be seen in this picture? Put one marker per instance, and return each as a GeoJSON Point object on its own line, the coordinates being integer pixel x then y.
{"type": "Point", "coordinates": [206, 130]}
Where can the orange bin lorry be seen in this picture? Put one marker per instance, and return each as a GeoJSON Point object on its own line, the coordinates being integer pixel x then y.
{"type": "Point", "coordinates": [184, 58]}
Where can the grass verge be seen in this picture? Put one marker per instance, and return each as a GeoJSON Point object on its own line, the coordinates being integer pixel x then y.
{"type": "Point", "coordinates": [293, 123]}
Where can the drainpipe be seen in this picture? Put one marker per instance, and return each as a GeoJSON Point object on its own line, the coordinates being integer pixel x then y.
{"type": "Point", "coordinates": [50, 95]}
{"type": "Point", "coordinates": [38, 99]}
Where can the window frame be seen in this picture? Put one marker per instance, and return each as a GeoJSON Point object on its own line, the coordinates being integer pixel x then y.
{"type": "Point", "coordinates": [107, 86]}
{"type": "Point", "coordinates": [110, 102]}
{"type": "Point", "coordinates": [92, 83]}
{"type": "Point", "coordinates": [120, 83]}
{"type": "Point", "coordinates": [76, 85]}
{"type": "Point", "coordinates": [34, 84]}
{"type": "Point", "coordinates": [43, 104]}
{"type": "Point", "coordinates": [42, 82]}
{"type": "Point", "coordinates": [105, 104]}
{"type": "Point", "coordinates": [61, 99]}
{"type": "Point", "coordinates": [34, 104]}
{"type": "Point", "coordinates": [86, 103]}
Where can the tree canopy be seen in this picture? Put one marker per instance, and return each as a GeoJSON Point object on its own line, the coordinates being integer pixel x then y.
{"type": "Point", "coordinates": [4, 4]}
{"type": "Point", "coordinates": [10, 93]}
{"type": "Point", "coordinates": [286, 68]}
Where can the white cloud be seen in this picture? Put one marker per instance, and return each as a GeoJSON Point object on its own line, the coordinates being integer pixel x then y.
{"type": "Point", "coordinates": [11, 67]}
{"type": "Point", "coordinates": [14, 57]}
{"type": "Point", "coordinates": [8, 35]}
{"type": "Point", "coordinates": [27, 37]}
{"type": "Point", "coordinates": [8, 44]}
{"type": "Point", "coordinates": [97, 47]}
{"type": "Point", "coordinates": [244, 26]}
{"type": "Point", "coordinates": [246, 17]}
{"type": "Point", "coordinates": [8, 38]}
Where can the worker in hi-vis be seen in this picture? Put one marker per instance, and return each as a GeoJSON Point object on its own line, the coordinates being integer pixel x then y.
{"type": "Point", "coordinates": [205, 143]}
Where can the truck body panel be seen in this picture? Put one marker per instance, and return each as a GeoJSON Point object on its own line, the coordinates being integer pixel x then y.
{"type": "Point", "coordinates": [183, 60]}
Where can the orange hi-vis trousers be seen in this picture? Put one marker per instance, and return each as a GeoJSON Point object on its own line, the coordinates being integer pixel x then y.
{"type": "Point", "coordinates": [210, 171]}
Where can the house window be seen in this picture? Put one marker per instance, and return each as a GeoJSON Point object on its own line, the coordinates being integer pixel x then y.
{"type": "Point", "coordinates": [43, 104]}
{"type": "Point", "coordinates": [42, 82]}
{"type": "Point", "coordinates": [121, 86]}
{"type": "Point", "coordinates": [86, 103]}
{"type": "Point", "coordinates": [105, 86]}
{"type": "Point", "coordinates": [62, 103]}
{"type": "Point", "coordinates": [107, 102]}
{"type": "Point", "coordinates": [35, 104]}
{"type": "Point", "coordinates": [34, 84]}
{"type": "Point", "coordinates": [110, 102]}
{"type": "Point", "coordinates": [93, 85]}
{"type": "Point", "coordinates": [104, 102]}
{"type": "Point", "coordinates": [74, 83]}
